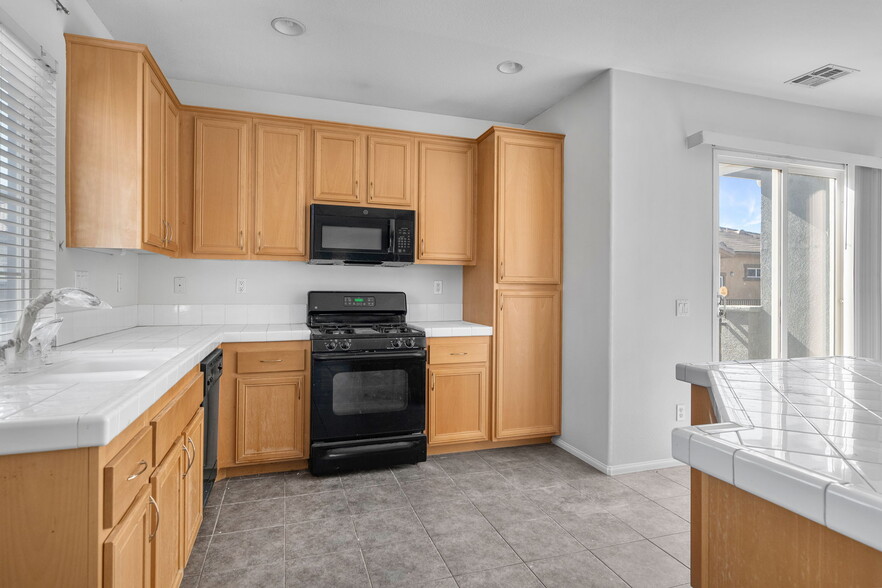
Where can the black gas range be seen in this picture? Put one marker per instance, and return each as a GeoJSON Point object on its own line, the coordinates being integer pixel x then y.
{"type": "Point", "coordinates": [368, 402]}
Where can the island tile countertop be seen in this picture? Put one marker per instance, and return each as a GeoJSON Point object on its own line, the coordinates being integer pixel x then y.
{"type": "Point", "coordinates": [40, 412]}
{"type": "Point", "coordinates": [805, 434]}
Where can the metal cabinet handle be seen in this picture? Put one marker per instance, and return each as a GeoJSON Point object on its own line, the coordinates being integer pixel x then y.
{"type": "Point", "coordinates": [270, 361]}
{"type": "Point", "coordinates": [143, 469]}
{"type": "Point", "coordinates": [356, 188]}
{"type": "Point", "coordinates": [259, 240]}
{"type": "Point", "coordinates": [460, 353]}
{"type": "Point", "coordinates": [422, 246]}
{"type": "Point", "coordinates": [162, 236]}
{"type": "Point", "coordinates": [371, 191]}
{"type": "Point", "coordinates": [433, 382]}
{"type": "Point", "coordinates": [193, 445]}
{"type": "Point", "coordinates": [501, 269]}
{"type": "Point", "coordinates": [189, 460]}
{"type": "Point", "coordinates": [171, 233]}
{"type": "Point", "coordinates": [156, 507]}
{"type": "Point", "coordinates": [241, 239]}
{"type": "Point", "coordinates": [501, 302]}
{"type": "Point", "coordinates": [298, 392]}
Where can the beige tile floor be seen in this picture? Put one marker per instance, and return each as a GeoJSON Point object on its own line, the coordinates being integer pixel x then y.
{"type": "Point", "coordinates": [519, 517]}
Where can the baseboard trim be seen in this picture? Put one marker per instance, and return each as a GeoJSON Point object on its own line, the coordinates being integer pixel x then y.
{"type": "Point", "coordinates": [627, 468]}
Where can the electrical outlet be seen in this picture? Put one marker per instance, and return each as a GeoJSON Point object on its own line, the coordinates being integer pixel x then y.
{"type": "Point", "coordinates": [119, 282]}
{"type": "Point", "coordinates": [241, 285]}
{"type": "Point", "coordinates": [682, 307]}
{"type": "Point", "coordinates": [81, 279]}
{"type": "Point", "coordinates": [681, 412]}
{"type": "Point", "coordinates": [438, 287]}
{"type": "Point", "coordinates": [180, 285]}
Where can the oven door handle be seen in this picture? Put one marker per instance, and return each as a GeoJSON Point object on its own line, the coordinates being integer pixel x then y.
{"type": "Point", "coordinates": [421, 354]}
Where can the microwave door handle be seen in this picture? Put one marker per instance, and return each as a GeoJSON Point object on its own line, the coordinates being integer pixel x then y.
{"type": "Point", "coordinates": [392, 236]}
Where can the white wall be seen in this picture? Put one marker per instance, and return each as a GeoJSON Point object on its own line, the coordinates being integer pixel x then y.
{"type": "Point", "coordinates": [45, 26]}
{"type": "Point", "coordinates": [585, 119]}
{"type": "Point", "coordinates": [658, 246]}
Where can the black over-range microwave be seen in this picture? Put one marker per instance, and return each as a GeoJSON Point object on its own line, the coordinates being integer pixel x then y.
{"type": "Point", "coordinates": [358, 235]}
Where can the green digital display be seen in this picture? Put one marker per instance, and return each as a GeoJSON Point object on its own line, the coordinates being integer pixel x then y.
{"type": "Point", "coordinates": [359, 299]}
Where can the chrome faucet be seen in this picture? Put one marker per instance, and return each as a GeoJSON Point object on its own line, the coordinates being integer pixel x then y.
{"type": "Point", "coordinates": [20, 346]}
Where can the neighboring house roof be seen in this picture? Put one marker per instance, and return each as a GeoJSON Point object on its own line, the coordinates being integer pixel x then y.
{"type": "Point", "coordinates": [734, 241]}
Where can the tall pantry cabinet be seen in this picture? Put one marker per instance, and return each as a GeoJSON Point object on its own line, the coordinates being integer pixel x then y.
{"type": "Point", "coordinates": [515, 285]}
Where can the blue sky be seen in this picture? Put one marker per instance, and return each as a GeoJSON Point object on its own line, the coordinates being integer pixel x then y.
{"type": "Point", "coordinates": [740, 204]}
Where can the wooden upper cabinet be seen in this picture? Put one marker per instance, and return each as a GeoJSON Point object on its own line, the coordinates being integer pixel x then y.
{"type": "Point", "coordinates": [337, 166]}
{"type": "Point", "coordinates": [172, 164]}
{"type": "Point", "coordinates": [529, 205]}
{"type": "Point", "coordinates": [270, 417]}
{"type": "Point", "coordinates": [154, 227]}
{"type": "Point", "coordinates": [390, 170]}
{"type": "Point", "coordinates": [127, 550]}
{"type": "Point", "coordinates": [221, 192]}
{"type": "Point", "coordinates": [280, 211]}
{"type": "Point", "coordinates": [447, 201]}
{"type": "Point", "coordinates": [528, 339]}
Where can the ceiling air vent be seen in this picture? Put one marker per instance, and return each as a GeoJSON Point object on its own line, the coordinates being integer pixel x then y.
{"type": "Point", "coordinates": [820, 76]}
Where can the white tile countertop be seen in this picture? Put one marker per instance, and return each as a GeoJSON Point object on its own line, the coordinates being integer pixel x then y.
{"type": "Point", "coordinates": [805, 434]}
{"type": "Point", "coordinates": [40, 413]}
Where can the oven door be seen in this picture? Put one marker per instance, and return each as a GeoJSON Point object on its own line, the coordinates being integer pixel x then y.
{"type": "Point", "coordinates": [363, 395]}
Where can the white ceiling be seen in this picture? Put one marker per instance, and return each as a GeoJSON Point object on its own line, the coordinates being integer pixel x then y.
{"type": "Point", "coordinates": [440, 55]}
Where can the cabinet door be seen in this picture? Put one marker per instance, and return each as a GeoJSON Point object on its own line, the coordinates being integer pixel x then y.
{"type": "Point", "coordinates": [172, 153]}
{"type": "Point", "coordinates": [221, 186]}
{"type": "Point", "coordinates": [529, 201]}
{"type": "Point", "coordinates": [270, 418]}
{"type": "Point", "coordinates": [194, 440]}
{"type": "Point", "coordinates": [527, 364]}
{"type": "Point", "coordinates": [167, 543]}
{"type": "Point", "coordinates": [280, 190]}
{"type": "Point", "coordinates": [127, 549]}
{"type": "Point", "coordinates": [337, 166]}
{"type": "Point", "coordinates": [447, 201]}
{"type": "Point", "coordinates": [459, 404]}
{"type": "Point", "coordinates": [153, 226]}
{"type": "Point", "coordinates": [390, 171]}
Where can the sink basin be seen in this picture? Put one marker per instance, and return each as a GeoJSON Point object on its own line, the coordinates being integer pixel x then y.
{"type": "Point", "coordinates": [99, 369]}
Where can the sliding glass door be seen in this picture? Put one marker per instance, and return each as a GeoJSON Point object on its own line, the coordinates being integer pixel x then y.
{"type": "Point", "coordinates": [778, 258]}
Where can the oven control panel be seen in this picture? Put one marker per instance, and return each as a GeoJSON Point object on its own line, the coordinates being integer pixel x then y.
{"type": "Point", "coordinates": [359, 301]}
{"type": "Point", "coordinates": [369, 344]}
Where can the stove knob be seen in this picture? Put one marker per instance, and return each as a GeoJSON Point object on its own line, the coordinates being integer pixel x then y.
{"type": "Point", "coordinates": [330, 345]}
{"type": "Point", "coordinates": [409, 342]}
{"type": "Point", "coordinates": [396, 343]}
{"type": "Point", "coordinates": [345, 345]}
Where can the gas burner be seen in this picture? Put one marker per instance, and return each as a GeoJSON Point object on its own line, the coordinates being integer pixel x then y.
{"type": "Point", "coordinates": [393, 329]}
{"type": "Point", "coordinates": [340, 330]}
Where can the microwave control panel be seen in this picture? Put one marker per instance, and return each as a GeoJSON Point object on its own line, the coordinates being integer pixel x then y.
{"type": "Point", "coordinates": [404, 238]}
{"type": "Point", "coordinates": [359, 301]}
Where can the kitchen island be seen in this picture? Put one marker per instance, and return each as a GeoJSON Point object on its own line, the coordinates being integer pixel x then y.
{"type": "Point", "coordinates": [786, 461]}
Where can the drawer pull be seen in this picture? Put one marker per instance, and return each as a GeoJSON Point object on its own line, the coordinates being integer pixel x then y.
{"type": "Point", "coordinates": [156, 507]}
{"type": "Point", "coordinates": [193, 445]}
{"type": "Point", "coordinates": [189, 460]}
{"type": "Point", "coordinates": [460, 353]}
{"type": "Point", "coordinates": [270, 361]}
{"type": "Point", "coordinates": [143, 469]}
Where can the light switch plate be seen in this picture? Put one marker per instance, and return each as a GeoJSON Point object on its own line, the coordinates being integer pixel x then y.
{"type": "Point", "coordinates": [682, 307]}
{"type": "Point", "coordinates": [81, 279]}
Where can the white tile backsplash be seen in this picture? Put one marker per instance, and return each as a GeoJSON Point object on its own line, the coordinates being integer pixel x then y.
{"type": "Point", "coordinates": [434, 312]}
{"type": "Point", "coordinates": [145, 315]}
{"type": "Point", "coordinates": [416, 313]}
{"type": "Point", "coordinates": [190, 314]}
{"type": "Point", "coordinates": [213, 314]}
{"type": "Point", "coordinates": [235, 314]}
{"type": "Point", "coordinates": [165, 314]}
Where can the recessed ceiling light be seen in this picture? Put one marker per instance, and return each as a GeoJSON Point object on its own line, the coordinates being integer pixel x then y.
{"type": "Point", "coordinates": [288, 26]}
{"type": "Point", "coordinates": [509, 67]}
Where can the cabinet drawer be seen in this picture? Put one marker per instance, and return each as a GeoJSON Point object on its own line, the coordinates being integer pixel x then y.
{"type": "Point", "coordinates": [459, 352]}
{"type": "Point", "coordinates": [125, 474]}
{"type": "Point", "coordinates": [282, 360]}
{"type": "Point", "coordinates": [171, 420]}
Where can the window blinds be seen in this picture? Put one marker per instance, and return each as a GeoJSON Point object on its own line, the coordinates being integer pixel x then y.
{"type": "Point", "coordinates": [27, 178]}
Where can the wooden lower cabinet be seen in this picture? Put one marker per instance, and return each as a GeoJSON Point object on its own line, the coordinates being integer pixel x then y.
{"type": "Point", "coordinates": [269, 418]}
{"type": "Point", "coordinates": [127, 550]}
{"type": "Point", "coordinates": [528, 363]}
{"type": "Point", "coordinates": [191, 490]}
{"type": "Point", "coordinates": [458, 404]}
{"type": "Point", "coordinates": [166, 536]}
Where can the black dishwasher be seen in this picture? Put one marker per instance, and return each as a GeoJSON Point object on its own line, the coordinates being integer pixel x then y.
{"type": "Point", "coordinates": [212, 366]}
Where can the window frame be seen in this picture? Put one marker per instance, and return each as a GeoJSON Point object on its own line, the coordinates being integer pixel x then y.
{"type": "Point", "coordinates": [841, 262]}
